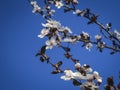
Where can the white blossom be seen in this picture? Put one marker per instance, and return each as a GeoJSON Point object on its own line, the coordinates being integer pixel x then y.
{"type": "Point", "coordinates": [68, 75]}
{"type": "Point", "coordinates": [98, 37]}
{"type": "Point", "coordinates": [117, 34]}
{"type": "Point", "coordinates": [95, 73]}
{"type": "Point", "coordinates": [78, 37]}
{"type": "Point", "coordinates": [97, 76]}
{"type": "Point", "coordinates": [108, 25]}
{"type": "Point", "coordinates": [43, 33]}
{"type": "Point", "coordinates": [58, 4]}
{"type": "Point", "coordinates": [77, 65]}
{"type": "Point", "coordinates": [62, 29]}
{"type": "Point", "coordinates": [51, 12]}
{"type": "Point", "coordinates": [48, 7]}
{"type": "Point", "coordinates": [51, 43]}
{"type": "Point", "coordinates": [36, 7]}
{"type": "Point", "coordinates": [46, 25]}
{"type": "Point", "coordinates": [51, 1]}
{"type": "Point", "coordinates": [77, 11]}
{"type": "Point", "coordinates": [89, 70]}
{"type": "Point", "coordinates": [75, 1]}
{"type": "Point", "coordinates": [85, 34]}
{"type": "Point", "coordinates": [99, 80]}
{"type": "Point", "coordinates": [33, 2]}
{"type": "Point", "coordinates": [101, 44]}
{"type": "Point", "coordinates": [78, 75]}
{"type": "Point", "coordinates": [68, 29]}
{"type": "Point", "coordinates": [52, 24]}
{"type": "Point", "coordinates": [88, 46]}
{"type": "Point", "coordinates": [68, 39]}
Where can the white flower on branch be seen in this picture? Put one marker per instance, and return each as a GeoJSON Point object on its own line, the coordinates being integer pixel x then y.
{"type": "Point", "coordinates": [59, 4]}
{"type": "Point", "coordinates": [78, 75]}
{"type": "Point", "coordinates": [43, 33]}
{"type": "Point", "coordinates": [50, 13]}
{"type": "Point", "coordinates": [64, 29]}
{"type": "Point", "coordinates": [51, 1]}
{"type": "Point", "coordinates": [48, 25]}
{"type": "Point", "coordinates": [80, 12]}
{"type": "Point", "coordinates": [77, 11]}
{"type": "Point", "coordinates": [98, 37]}
{"type": "Point", "coordinates": [68, 75]}
{"type": "Point", "coordinates": [77, 65]}
{"type": "Point", "coordinates": [47, 7]}
{"type": "Point", "coordinates": [88, 46]}
{"type": "Point", "coordinates": [75, 1]}
{"type": "Point", "coordinates": [97, 77]}
{"type": "Point", "coordinates": [89, 70]}
{"type": "Point", "coordinates": [51, 43]}
{"type": "Point", "coordinates": [101, 45]}
{"type": "Point", "coordinates": [68, 39]}
{"type": "Point", "coordinates": [108, 26]}
{"type": "Point", "coordinates": [52, 24]}
{"type": "Point", "coordinates": [68, 29]}
{"type": "Point", "coordinates": [36, 7]}
{"type": "Point", "coordinates": [99, 80]}
{"type": "Point", "coordinates": [96, 74]}
{"type": "Point", "coordinates": [117, 34]}
{"type": "Point", "coordinates": [85, 36]}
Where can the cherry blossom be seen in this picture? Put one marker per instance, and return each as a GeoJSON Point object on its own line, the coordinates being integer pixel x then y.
{"type": "Point", "coordinates": [68, 75]}
{"type": "Point", "coordinates": [68, 29]}
{"type": "Point", "coordinates": [51, 43]}
{"type": "Point", "coordinates": [117, 34]}
{"type": "Point", "coordinates": [77, 65]}
{"type": "Point", "coordinates": [59, 4]}
{"type": "Point", "coordinates": [52, 24]}
{"type": "Point", "coordinates": [36, 7]}
{"type": "Point", "coordinates": [70, 40]}
{"type": "Point", "coordinates": [88, 46]}
{"type": "Point", "coordinates": [44, 32]}
{"type": "Point", "coordinates": [77, 11]}
{"type": "Point", "coordinates": [75, 1]}
{"type": "Point", "coordinates": [101, 45]}
{"type": "Point", "coordinates": [51, 12]}
{"type": "Point", "coordinates": [85, 36]}
{"type": "Point", "coordinates": [97, 77]}
{"type": "Point", "coordinates": [98, 37]}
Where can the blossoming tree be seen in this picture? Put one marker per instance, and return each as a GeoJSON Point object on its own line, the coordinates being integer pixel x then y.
{"type": "Point", "coordinates": [60, 36]}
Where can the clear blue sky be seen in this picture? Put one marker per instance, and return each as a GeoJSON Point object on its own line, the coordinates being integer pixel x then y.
{"type": "Point", "coordinates": [19, 27]}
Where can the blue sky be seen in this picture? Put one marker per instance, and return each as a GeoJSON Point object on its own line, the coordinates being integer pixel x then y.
{"type": "Point", "coordinates": [19, 27]}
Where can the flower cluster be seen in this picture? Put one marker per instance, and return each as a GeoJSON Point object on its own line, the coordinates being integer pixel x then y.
{"type": "Point", "coordinates": [46, 12]}
{"type": "Point", "coordinates": [56, 34]}
{"type": "Point", "coordinates": [83, 72]}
